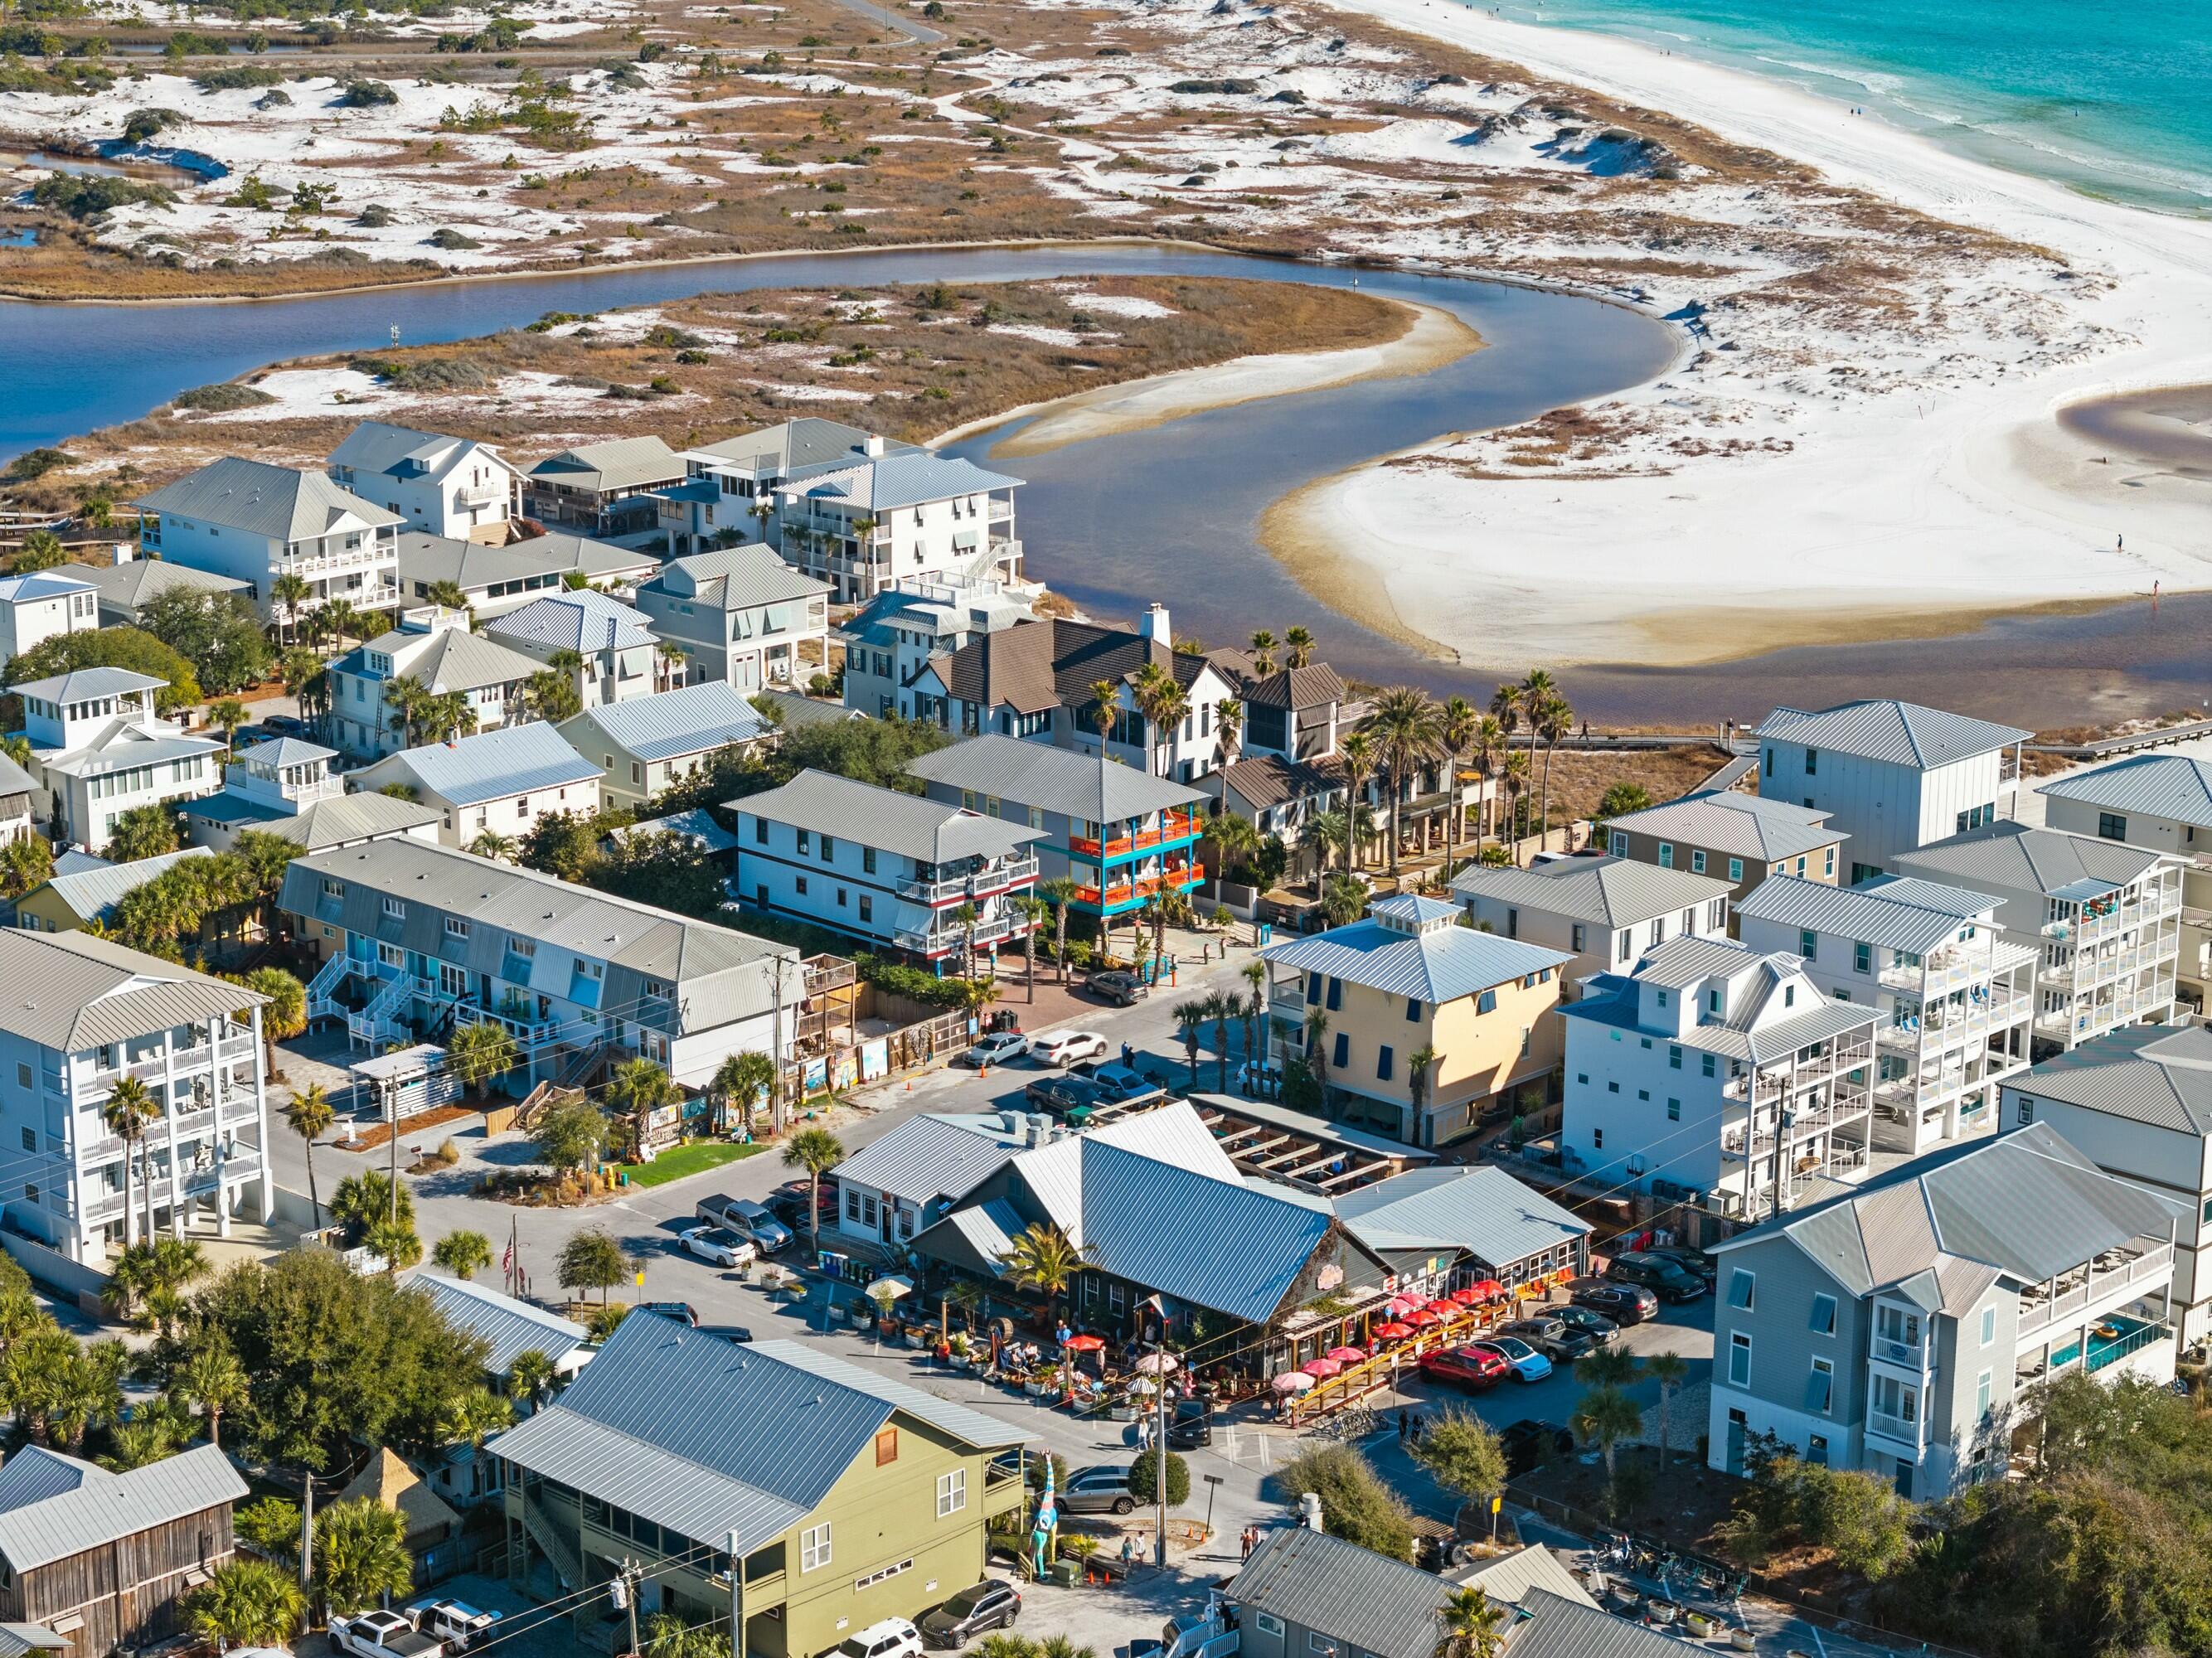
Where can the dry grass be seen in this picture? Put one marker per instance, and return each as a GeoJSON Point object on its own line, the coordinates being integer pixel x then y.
{"type": "Point", "coordinates": [1580, 780]}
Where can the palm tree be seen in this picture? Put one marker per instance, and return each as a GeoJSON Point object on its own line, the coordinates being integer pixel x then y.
{"type": "Point", "coordinates": [1551, 719]}
{"type": "Point", "coordinates": [1323, 832]}
{"type": "Point", "coordinates": [1221, 1006]}
{"type": "Point", "coordinates": [1404, 728]}
{"type": "Point", "coordinates": [309, 1115]}
{"type": "Point", "coordinates": [1470, 1624]}
{"type": "Point", "coordinates": [1455, 728]}
{"type": "Point", "coordinates": [128, 1111]}
{"type": "Point", "coordinates": [1263, 653]}
{"type": "Point", "coordinates": [447, 716]}
{"type": "Point", "coordinates": [1604, 1417]}
{"type": "Point", "coordinates": [1489, 745]}
{"type": "Point", "coordinates": [966, 917]}
{"type": "Point", "coordinates": [551, 697]}
{"type": "Point", "coordinates": [1417, 1086]}
{"type": "Point", "coordinates": [1032, 910]}
{"type": "Point", "coordinates": [741, 1077]}
{"type": "Point", "coordinates": [818, 1152]}
{"type": "Point", "coordinates": [1059, 892]}
{"type": "Point", "coordinates": [499, 848]}
{"type": "Point", "coordinates": [226, 715]}
{"type": "Point", "coordinates": [407, 698]}
{"type": "Point", "coordinates": [481, 1053]}
{"type": "Point", "coordinates": [529, 1376]}
{"type": "Point", "coordinates": [1342, 900]}
{"type": "Point", "coordinates": [637, 1088]}
{"type": "Point", "coordinates": [475, 1416]}
{"type": "Point", "coordinates": [1517, 786]}
{"type": "Point", "coordinates": [462, 1254]}
{"type": "Point", "coordinates": [288, 592]}
{"type": "Point", "coordinates": [1300, 642]}
{"type": "Point", "coordinates": [1040, 1258]}
{"type": "Point", "coordinates": [1106, 708]}
{"type": "Point", "coordinates": [284, 1015]}
{"type": "Point", "coordinates": [667, 1636]}
{"type": "Point", "coordinates": [1190, 1018]}
{"type": "Point", "coordinates": [360, 1555]}
{"type": "Point", "coordinates": [1317, 1053]}
{"type": "Point", "coordinates": [341, 619]}
{"type": "Point", "coordinates": [246, 1602]}
{"type": "Point", "coordinates": [213, 1379]}
{"type": "Point", "coordinates": [1254, 1010]}
{"type": "Point", "coordinates": [449, 595]}
{"type": "Point", "coordinates": [1234, 840]}
{"type": "Point", "coordinates": [1357, 753]}
{"type": "Point", "coordinates": [1229, 722]}
{"type": "Point", "coordinates": [396, 1243]}
{"type": "Point", "coordinates": [1671, 1371]}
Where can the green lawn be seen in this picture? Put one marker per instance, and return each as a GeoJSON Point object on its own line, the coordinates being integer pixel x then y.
{"type": "Point", "coordinates": [697, 1159]}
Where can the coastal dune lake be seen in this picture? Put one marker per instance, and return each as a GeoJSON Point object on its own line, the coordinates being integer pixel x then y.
{"type": "Point", "coordinates": [1170, 514]}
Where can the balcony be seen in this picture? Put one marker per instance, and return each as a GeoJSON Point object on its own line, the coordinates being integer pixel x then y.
{"type": "Point", "coordinates": [939, 941]}
{"type": "Point", "coordinates": [1174, 878]}
{"type": "Point", "coordinates": [2115, 1276]}
{"type": "Point", "coordinates": [1896, 1430]}
{"type": "Point", "coordinates": [1173, 828]}
{"type": "Point", "coordinates": [947, 891]}
{"type": "Point", "coordinates": [482, 495]}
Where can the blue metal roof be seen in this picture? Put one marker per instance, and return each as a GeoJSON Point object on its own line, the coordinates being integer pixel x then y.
{"type": "Point", "coordinates": [41, 584]}
{"type": "Point", "coordinates": [1441, 965]}
{"type": "Point", "coordinates": [687, 721]}
{"type": "Point", "coordinates": [896, 481]}
{"type": "Point", "coordinates": [492, 765]}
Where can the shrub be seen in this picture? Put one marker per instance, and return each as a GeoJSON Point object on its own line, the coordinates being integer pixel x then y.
{"type": "Point", "coordinates": [446, 236]}
{"type": "Point", "coordinates": [86, 196]}
{"type": "Point", "coordinates": [374, 216]}
{"type": "Point", "coordinates": [1355, 1504]}
{"type": "Point", "coordinates": [223, 394]}
{"type": "Point", "coordinates": [362, 94]}
{"type": "Point", "coordinates": [1144, 1477]}
{"type": "Point", "coordinates": [143, 124]}
{"type": "Point", "coordinates": [239, 75]}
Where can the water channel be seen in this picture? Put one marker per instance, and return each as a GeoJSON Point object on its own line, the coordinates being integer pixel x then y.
{"type": "Point", "coordinates": [1169, 514]}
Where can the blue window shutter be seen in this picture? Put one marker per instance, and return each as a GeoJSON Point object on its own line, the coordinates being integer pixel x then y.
{"type": "Point", "coordinates": [1382, 1060]}
{"type": "Point", "coordinates": [1313, 988]}
{"type": "Point", "coordinates": [1335, 994]}
{"type": "Point", "coordinates": [1343, 1056]}
{"type": "Point", "coordinates": [1486, 1003]}
{"type": "Point", "coordinates": [1412, 1010]}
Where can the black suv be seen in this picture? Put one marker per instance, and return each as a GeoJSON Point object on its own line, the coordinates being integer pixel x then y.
{"type": "Point", "coordinates": [1694, 1261]}
{"type": "Point", "coordinates": [1623, 1304]}
{"type": "Point", "coordinates": [1666, 1280]}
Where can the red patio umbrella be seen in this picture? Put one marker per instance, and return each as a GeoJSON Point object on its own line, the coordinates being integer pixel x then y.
{"type": "Point", "coordinates": [1084, 1344]}
{"type": "Point", "coordinates": [1403, 1305]}
{"type": "Point", "coordinates": [1321, 1368]}
{"type": "Point", "coordinates": [1465, 1297]}
{"type": "Point", "coordinates": [1345, 1355]}
{"type": "Point", "coordinates": [1423, 1318]}
{"type": "Point", "coordinates": [1393, 1331]}
{"type": "Point", "coordinates": [1489, 1289]}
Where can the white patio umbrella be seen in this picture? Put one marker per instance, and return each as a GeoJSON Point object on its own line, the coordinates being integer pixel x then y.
{"type": "Point", "coordinates": [1145, 1385]}
{"type": "Point", "coordinates": [1155, 1364]}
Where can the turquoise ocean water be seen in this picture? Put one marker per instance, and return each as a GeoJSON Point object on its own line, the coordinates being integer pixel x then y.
{"type": "Point", "coordinates": [2112, 100]}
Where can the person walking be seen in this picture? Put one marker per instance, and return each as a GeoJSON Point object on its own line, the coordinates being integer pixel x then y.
{"type": "Point", "coordinates": [1404, 1426]}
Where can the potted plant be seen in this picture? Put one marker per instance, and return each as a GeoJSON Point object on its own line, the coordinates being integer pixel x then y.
{"type": "Point", "coordinates": [1042, 1383]}
{"type": "Point", "coordinates": [1701, 1625]}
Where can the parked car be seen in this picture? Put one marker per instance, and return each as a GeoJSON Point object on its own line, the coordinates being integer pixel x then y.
{"type": "Point", "coordinates": [1117, 1081]}
{"type": "Point", "coordinates": [1548, 1336]}
{"type": "Point", "coordinates": [1602, 1332]}
{"type": "Point", "coordinates": [1121, 989]}
{"type": "Point", "coordinates": [455, 1622]}
{"type": "Point", "coordinates": [894, 1638]}
{"type": "Point", "coordinates": [1067, 1047]}
{"type": "Point", "coordinates": [1258, 1076]}
{"type": "Point", "coordinates": [1100, 1489]}
{"type": "Point", "coordinates": [681, 1311]}
{"type": "Point", "coordinates": [748, 1220]}
{"type": "Point", "coordinates": [992, 1604]}
{"type": "Point", "coordinates": [1690, 1261]}
{"type": "Point", "coordinates": [996, 1048]}
{"type": "Point", "coordinates": [1191, 1425]}
{"type": "Point", "coordinates": [719, 1245]}
{"type": "Point", "coordinates": [787, 1203]}
{"type": "Point", "coordinates": [1527, 1443]}
{"type": "Point", "coordinates": [1477, 1369]}
{"type": "Point", "coordinates": [1666, 1280]}
{"type": "Point", "coordinates": [379, 1634]}
{"type": "Point", "coordinates": [1524, 1361]}
{"type": "Point", "coordinates": [1623, 1304]}
{"type": "Point", "coordinates": [283, 725]}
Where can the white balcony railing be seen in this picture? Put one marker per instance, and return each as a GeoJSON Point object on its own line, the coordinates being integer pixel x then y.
{"type": "Point", "coordinates": [2128, 1273]}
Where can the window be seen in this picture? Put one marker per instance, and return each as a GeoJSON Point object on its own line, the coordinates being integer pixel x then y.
{"type": "Point", "coordinates": [526, 949]}
{"type": "Point", "coordinates": [1735, 869]}
{"type": "Point", "coordinates": [30, 1139]}
{"type": "Point", "coordinates": [886, 1446]}
{"type": "Point", "coordinates": [760, 830]}
{"type": "Point", "coordinates": [1828, 864]}
{"type": "Point", "coordinates": [1322, 1644]}
{"type": "Point", "coordinates": [394, 909]}
{"type": "Point", "coordinates": [1342, 1056]}
{"type": "Point", "coordinates": [800, 882]}
{"type": "Point", "coordinates": [828, 848]}
{"type": "Point", "coordinates": [1620, 843]}
{"type": "Point", "coordinates": [1577, 936]}
{"type": "Point", "coordinates": [1597, 1135]}
{"type": "Point", "coordinates": [867, 908]}
{"type": "Point", "coordinates": [1486, 1002]}
{"type": "Point", "coordinates": [1512, 923]}
{"type": "Point", "coordinates": [456, 928]}
{"type": "Point", "coordinates": [1789, 995]}
{"type": "Point", "coordinates": [1989, 1325]}
{"type": "Point", "coordinates": [2111, 826]}
{"type": "Point", "coordinates": [1267, 1623]}
{"type": "Point", "coordinates": [814, 1547]}
{"type": "Point", "coordinates": [1666, 854]}
{"type": "Point", "coordinates": [1673, 1057]}
{"type": "Point", "coordinates": [841, 898]}
{"type": "Point", "coordinates": [1384, 1060]}
{"type": "Point", "coordinates": [1625, 947]}
{"type": "Point", "coordinates": [1862, 956]}
{"type": "Point", "coordinates": [2027, 1111]}
{"type": "Point", "coordinates": [1824, 1316]}
{"type": "Point", "coordinates": [1739, 1360]}
{"type": "Point", "coordinates": [1770, 762]}
{"type": "Point", "coordinates": [951, 1492]}
{"type": "Point", "coordinates": [1697, 861]}
{"type": "Point", "coordinates": [1742, 1289]}
{"type": "Point", "coordinates": [636, 773]}
{"type": "Point", "coordinates": [1812, 762]}
{"type": "Point", "coordinates": [1716, 916]}
{"type": "Point", "coordinates": [22, 1074]}
{"type": "Point", "coordinates": [1896, 1400]}
{"type": "Point", "coordinates": [867, 860]}
{"type": "Point", "coordinates": [1412, 1010]}
{"type": "Point", "coordinates": [805, 842]}
{"type": "Point", "coordinates": [1981, 1394]}
{"type": "Point", "coordinates": [392, 955]}
{"type": "Point", "coordinates": [333, 888]}
{"type": "Point", "coordinates": [1808, 943]}
{"type": "Point", "coordinates": [1674, 1111]}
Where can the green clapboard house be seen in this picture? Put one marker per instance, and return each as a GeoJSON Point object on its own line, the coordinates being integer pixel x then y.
{"type": "Point", "coordinates": [850, 1497]}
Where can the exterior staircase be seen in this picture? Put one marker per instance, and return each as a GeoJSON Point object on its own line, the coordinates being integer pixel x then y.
{"type": "Point", "coordinates": [384, 1020]}
{"type": "Point", "coordinates": [323, 989]}
{"type": "Point", "coordinates": [558, 1548]}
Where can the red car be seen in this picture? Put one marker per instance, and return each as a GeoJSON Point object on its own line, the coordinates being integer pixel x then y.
{"type": "Point", "coordinates": [1474, 1369]}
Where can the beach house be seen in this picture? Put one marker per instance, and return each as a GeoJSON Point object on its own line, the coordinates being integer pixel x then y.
{"type": "Point", "coordinates": [493, 580]}
{"type": "Point", "coordinates": [100, 749]}
{"type": "Point", "coordinates": [285, 787]}
{"type": "Point", "coordinates": [603, 490]}
{"type": "Point", "coordinates": [443, 659]}
{"type": "Point", "coordinates": [497, 782]}
{"type": "Point", "coordinates": [69, 900]}
{"type": "Point", "coordinates": [256, 523]}
{"type": "Point", "coordinates": [863, 524]}
{"type": "Point", "coordinates": [739, 615]}
{"type": "Point", "coordinates": [1892, 776]}
{"type": "Point", "coordinates": [41, 605]}
{"type": "Point", "coordinates": [607, 647]}
{"type": "Point", "coordinates": [1603, 912]}
{"type": "Point", "coordinates": [728, 492]}
{"type": "Point", "coordinates": [1741, 838]}
{"type": "Point", "coordinates": [889, 639]}
{"type": "Point", "coordinates": [2103, 917]}
{"type": "Point", "coordinates": [131, 582]}
{"type": "Point", "coordinates": [1954, 1000]}
{"type": "Point", "coordinates": [650, 742]}
{"type": "Point", "coordinates": [441, 485]}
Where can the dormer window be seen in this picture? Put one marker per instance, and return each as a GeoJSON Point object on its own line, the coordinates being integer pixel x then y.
{"type": "Point", "coordinates": [395, 909]}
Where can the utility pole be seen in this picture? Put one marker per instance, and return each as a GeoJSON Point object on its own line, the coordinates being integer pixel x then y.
{"type": "Point", "coordinates": [775, 1045]}
{"type": "Point", "coordinates": [737, 1599]}
{"type": "Point", "coordinates": [627, 1584]}
{"type": "Point", "coordinates": [307, 1532]}
{"type": "Point", "coordinates": [392, 1113]}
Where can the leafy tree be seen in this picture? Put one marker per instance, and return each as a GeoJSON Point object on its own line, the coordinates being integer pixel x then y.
{"type": "Point", "coordinates": [591, 1260]}
{"type": "Point", "coordinates": [877, 751]}
{"type": "Point", "coordinates": [271, 1524]}
{"type": "Point", "coordinates": [1621, 798]}
{"type": "Point", "coordinates": [145, 831]}
{"type": "Point", "coordinates": [308, 1114]}
{"type": "Point", "coordinates": [669, 872]}
{"type": "Point", "coordinates": [219, 633]}
{"type": "Point", "coordinates": [360, 1555]}
{"type": "Point", "coordinates": [246, 1603]}
{"type": "Point", "coordinates": [482, 1053]}
{"type": "Point", "coordinates": [818, 1152]}
{"type": "Point", "coordinates": [333, 1360]}
{"type": "Point", "coordinates": [462, 1254]}
{"type": "Point", "coordinates": [365, 1198]}
{"type": "Point", "coordinates": [113, 648]}
{"type": "Point", "coordinates": [563, 843]}
{"type": "Point", "coordinates": [1604, 1417]}
{"type": "Point", "coordinates": [25, 864]}
{"type": "Point", "coordinates": [1462, 1455]}
{"type": "Point", "coordinates": [1355, 1504]}
{"type": "Point", "coordinates": [569, 1134]}
{"type": "Point", "coordinates": [1144, 1475]}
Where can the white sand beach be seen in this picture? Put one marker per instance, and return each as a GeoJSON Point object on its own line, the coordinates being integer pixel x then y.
{"type": "Point", "coordinates": [1863, 500]}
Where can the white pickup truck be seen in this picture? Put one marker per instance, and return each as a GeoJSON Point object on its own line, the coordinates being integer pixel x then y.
{"type": "Point", "coordinates": [378, 1634]}
{"type": "Point", "coordinates": [455, 1622]}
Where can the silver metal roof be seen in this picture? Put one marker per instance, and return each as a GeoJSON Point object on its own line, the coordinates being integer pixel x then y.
{"type": "Point", "coordinates": [697, 826]}
{"type": "Point", "coordinates": [691, 720]}
{"type": "Point", "coordinates": [708, 1437]}
{"type": "Point", "coordinates": [1087, 786]}
{"type": "Point", "coordinates": [908, 825]}
{"type": "Point", "coordinates": [71, 991]}
{"type": "Point", "coordinates": [735, 579]}
{"type": "Point", "coordinates": [809, 440]}
{"type": "Point", "coordinates": [510, 1327]}
{"type": "Point", "coordinates": [1552, 1626]}
{"type": "Point", "coordinates": [338, 822]}
{"type": "Point", "coordinates": [616, 464]}
{"type": "Point", "coordinates": [375, 445]}
{"type": "Point", "coordinates": [1898, 733]}
{"type": "Point", "coordinates": [2177, 786]}
{"type": "Point", "coordinates": [2161, 1075]}
{"type": "Point", "coordinates": [94, 894]}
{"type": "Point", "coordinates": [1743, 826]}
{"type": "Point", "coordinates": [584, 621]}
{"type": "Point", "coordinates": [258, 499]}
{"type": "Point", "coordinates": [127, 586]}
{"type": "Point", "coordinates": [53, 1506]}
{"type": "Point", "coordinates": [489, 766]}
{"type": "Point", "coordinates": [285, 751]}
{"type": "Point", "coordinates": [1441, 965]}
{"type": "Point", "coordinates": [893, 480]}
{"type": "Point", "coordinates": [1915, 915]}
{"type": "Point", "coordinates": [2012, 857]}
{"type": "Point", "coordinates": [926, 1158]}
{"type": "Point", "coordinates": [445, 659]}
{"type": "Point", "coordinates": [82, 684]}
{"type": "Point", "coordinates": [1614, 892]}
{"type": "Point", "coordinates": [42, 584]}
{"type": "Point", "coordinates": [1357, 1599]}
{"type": "Point", "coordinates": [123, 744]}
{"type": "Point", "coordinates": [795, 709]}
{"type": "Point", "coordinates": [1509, 1577]}
{"type": "Point", "coordinates": [474, 567]}
{"type": "Point", "coordinates": [1483, 1211]}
